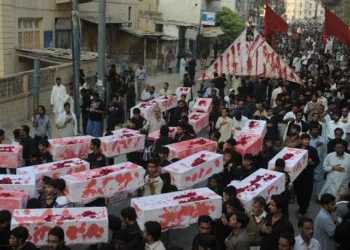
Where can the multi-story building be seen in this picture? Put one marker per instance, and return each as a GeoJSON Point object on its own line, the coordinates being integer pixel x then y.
{"type": "Point", "coordinates": [304, 10]}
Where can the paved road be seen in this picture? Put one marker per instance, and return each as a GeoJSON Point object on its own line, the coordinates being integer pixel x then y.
{"type": "Point", "coordinates": [178, 237]}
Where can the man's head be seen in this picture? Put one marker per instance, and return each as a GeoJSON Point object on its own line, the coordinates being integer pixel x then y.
{"type": "Point", "coordinates": [212, 84]}
{"type": "Point", "coordinates": [295, 109]}
{"type": "Point", "coordinates": [95, 144]}
{"type": "Point", "coordinates": [314, 130]}
{"type": "Point", "coordinates": [338, 133]}
{"type": "Point", "coordinates": [299, 116]}
{"type": "Point", "coordinates": [152, 231]}
{"type": "Point", "coordinates": [60, 186]}
{"type": "Point", "coordinates": [319, 93]}
{"type": "Point", "coordinates": [55, 238]}
{"type": "Point", "coordinates": [336, 117]}
{"type": "Point", "coordinates": [140, 65]}
{"type": "Point", "coordinates": [238, 220]}
{"type": "Point", "coordinates": [258, 205]}
{"type": "Point", "coordinates": [43, 144]}
{"type": "Point", "coordinates": [295, 130]}
{"type": "Point", "coordinates": [305, 140]}
{"type": "Point", "coordinates": [215, 136]}
{"type": "Point", "coordinates": [164, 130]}
{"type": "Point", "coordinates": [248, 160]}
{"type": "Point", "coordinates": [314, 98]}
{"type": "Point", "coordinates": [18, 237]}
{"type": "Point", "coordinates": [115, 99]}
{"type": "Point", "coordinates": [306, 228]}
{"type": "Point", "coordinates": [181, 129]}
{"type": "Point", "coordinates": [227, 155]}
{"type": "Point", "coordinates": [339, 147]}
{"type": "Point", "coordinates": [128, 215]}
{"type": "Point", "coordinates": [181, 104]}
{"type": "Point", "coordinates": [214, 180]}
{"type": "Point", "coordinates": [151, 90]}
{"type": "Point", "coordinates": [25, 130]}
{"type": "Point", "coordinates": [328, 202]}
{"type": "Point", "coordinates": [229, 192]}
{"type": "Point", "coordinates": [95, 96]}
{"type": "Point", "coordinates": [268, 143]}
{"type": "Point", "coordinates": [5, 219]}
{"type": "Point", "coordinates": [277, 204]}
{"type": "Point", "coordinates": [315, 117]}
{"type": "Point", "coordinates": [344, 194]}
{"type": "Point", "coordinates": [225, 112]}
{"type": "Point", "coordinates": [207, 242]}
{"type": "Point", "coordinates": [41, 110]}
{"type": "Point", "coordinates": [67, 107]}
{"type": "Point", "coordinates": [345, 112]}
{"type": "Point", "coordinates": [152, 167]}
{"type": "Point", "coordinates": [205, 224]}
{"type": "Point", "coordinates": [164, 153]}
{"type": "Point", "coordinates": [286, 241]}
{"type": "Point", "coordinates": [58, 81]}
{"type": "Point", "coordinates": [16, 134]}
{"type": "Point", "coordinates": [165, 86]}
{"type": "Point", "coordinates": [238, 116]}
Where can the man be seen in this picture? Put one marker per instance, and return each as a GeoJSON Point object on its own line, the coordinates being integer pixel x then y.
{"type": "Point", "coordinates": [286, 241]}
{"type": "Point", "coordinates": [141, 77]}
{"type": "Point", "coordinates": [279, 112]}
{"type": "Point", "coordinates": [205, 225]}
{"type": "Point", "coordinates": [146, 95]}
{"type": "Point", "coordinates": [245, 169]}
{"type": "Point", "coordinates": [181, 134]}
{"type": "Point", "coordinates": [154, 123]}
{"type": "Point", "coordinates": [136, 122]}
{"type": "Point", "coordinates": [336, 123]}
{"type": "Point", "coordinates": [212, 87]}
{"type": "Point", "coordinates": [238, 239]}
{"type": "Point", "coordinates": [116, 116]}
{"type": "Point", "coordinates": [16, 137]}
{"type": "Point", "coordinates": [41, 124]}
{"type": "Point", "coordinates": [311, 107]}
{"type": "Point", "coordinates": [321, 99]}
{"type": "Point", "coordinates": [151, 234]}
{"type": "Point", "coordinates": [338, 134]}
{"type": "Point", "coordinates": [192, 67]}
{"type": "Point", "coordinates": [345, 118]}
{"type": "Point", "coordinates": [303, 184]}
{"type": "Point", "coordinates": [337, 165]}
{"type": "Point", "coordinates": [238, 122]}
{"type": "Point", "coordinates": [29, 145]}
{"type": "Point", "coordinates": [153, 182]}
{"type": "Point", "coordinates": [293, 140]}
{"type": "Point", "coordinates": [275, 224]}
{"type": "Point", "coordinates": [304, 240]}
{"type": "Point", "coordinates": [297, 121]}
{"type": "Point", "coordinates": [326, 223]}
{"type": "Point", "coordinates": [58, 97]}
{"type": "Point", "coordinates": [224, 125]}
{"type": "Point", "coordinates": [291, 115]}
{"type": "Point", "coordinates": [96, 112]}
{"type": "Point", "coordinates": [95, 158]}
{"type": "Point", "coordinates": [18, 239]}
{"type": "Point", "coordinates": [165, 91]}
{"type": "Point", "coordinates": [297, 63]}
{"type": "Point", "coordinates": [343, 202]}
{"type": "Point", "coordinates": [129, 216]}
{"type": "Point", "coordinates": [152, 93]}
{"type": "Point", "coordinates": [177, 113]}
{"type": "Point", "coordinates": [55, 239]}
{"type": "Point", "coordinates": [5, 228]}
{"type": "Point", "coordinates": [275, 93]}
{"type": "Point", "coordinates": [256, 221]}
{"type": "Point", "coordinates": [86, 102]}
{"type": "Point", "coordinates": [319, 143]}
{"type": "Point", "coordinates": [67, 122]}
{"type": "Point", "coordinates": [260, 89]}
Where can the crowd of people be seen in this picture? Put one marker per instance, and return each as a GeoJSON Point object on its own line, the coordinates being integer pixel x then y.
{"type": "Point", "coordinates": [313, 116]}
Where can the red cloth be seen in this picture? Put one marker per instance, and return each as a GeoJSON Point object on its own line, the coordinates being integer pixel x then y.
{"type": "Point", "coordinates": [273, 22]}
{"type": "Point", "coordinates": [333, 26]}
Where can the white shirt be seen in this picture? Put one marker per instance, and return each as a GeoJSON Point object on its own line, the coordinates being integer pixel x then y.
{"type": "Point", "coordinates": [157, 184]}
{"type": "Point", "coordinates": [158, 245]}
{"type": "Point", "coordinates": [240, 124]}
{"type": "Point", "coordinates": [15, 143]}
{"type": "Point", "coordinates": [226, 129]}
{"type": "Point", "coordinates": [347, 123]}
{"type": "Point", "coordinates": [145, 95]}
{"type": "Point", "coordinates": [153, 124]}
{"type": "Point", "coordinates": [162, 92]}
{"type": "Point", "coordinates": [301, 245]}
{"type": "Point", "coordinates": [331, 126]}
{"type": "Point", "coordinates": [62, 201]}
{"type": "Point", "coordinates": [58, 98]}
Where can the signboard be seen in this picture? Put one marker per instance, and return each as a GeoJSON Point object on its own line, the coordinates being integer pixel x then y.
{"type": "Point", "coordinates": [212, 31]}
{"type": "Point", "coordinates": [63, 24]}
{"type": "Point", "coordinates": [208, 18]}
{"type": "Point", "coordinates": [191, 33]}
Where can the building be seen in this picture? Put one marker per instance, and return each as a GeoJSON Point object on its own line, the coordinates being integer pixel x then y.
{"type": "Point", "coordinates": [304, 10]}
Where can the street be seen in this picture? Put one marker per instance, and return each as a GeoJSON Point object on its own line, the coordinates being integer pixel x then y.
{"type": "Point", "coordinates": [179, 237]}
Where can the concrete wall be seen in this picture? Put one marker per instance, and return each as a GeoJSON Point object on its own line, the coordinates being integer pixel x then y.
{"type": "Point", "coordinates": [17, 108]}
{"type": "Point", "coordinates": [10, 12]}
{"type": "Point", "coordinates": [185, 11]}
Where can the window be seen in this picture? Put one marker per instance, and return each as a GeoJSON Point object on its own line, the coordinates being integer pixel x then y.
{"type": "Point", "coordinates": [159, 28]}
{"type": "Point", "coordinates": [129, 14]}
{"type": "Point", "coordinates": [29, 33]}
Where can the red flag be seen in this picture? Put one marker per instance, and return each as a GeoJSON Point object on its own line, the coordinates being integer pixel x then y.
{"type": "Point", "coordinates": [333, 26]}
{"type": "Point", "coordinates": [273, 22]}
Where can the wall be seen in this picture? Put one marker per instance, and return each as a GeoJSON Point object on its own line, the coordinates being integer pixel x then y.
{"type": "Point", "coordinates": [185, 11]}
{"type": "Point", "coordinates": [16, 98]}
{"type": "Point", "coordinates": [10, 12]}
{"type": "Point", "coordinates": [231, 4]}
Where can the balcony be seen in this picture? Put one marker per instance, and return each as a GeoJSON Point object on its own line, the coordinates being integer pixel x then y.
{"type": "Point", "coordinates": [69, 1]}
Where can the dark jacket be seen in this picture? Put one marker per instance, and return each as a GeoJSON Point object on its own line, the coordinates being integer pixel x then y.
{"type": "Point", "coordinates": [270, 241]}
{"type": "Point", "coordinates": [116, 116]}
{"type": "Point", "coordinates": [29, 149]}
{"type": "Point", "coordinates": [186, 137]}
{"type": "Point", "coordinates": [342, 233]}
{"type": "Point", "coordinates": [162, 141]}
{"type": "Point", "coordinates": [29, 246]}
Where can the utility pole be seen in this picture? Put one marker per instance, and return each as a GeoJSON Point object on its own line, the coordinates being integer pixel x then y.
{"type": "Point", "coordinates": [101, 50]}
{"type": "Point", "coordinates": [76, 58]}
{"type": "Point", "coordinates": [36, 85]}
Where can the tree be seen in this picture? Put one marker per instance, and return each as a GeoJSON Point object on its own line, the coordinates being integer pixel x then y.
{"type": "Point", "coordinates": [230, 24]}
